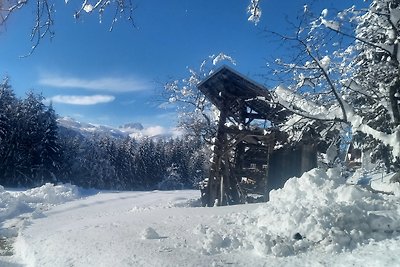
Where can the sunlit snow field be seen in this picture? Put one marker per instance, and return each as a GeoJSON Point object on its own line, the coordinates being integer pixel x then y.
{"type": "Point", "coordinates": [315, 220]}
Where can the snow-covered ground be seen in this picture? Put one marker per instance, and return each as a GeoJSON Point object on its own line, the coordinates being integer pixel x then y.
{"type": "Point", "coordinates": [315, 220]}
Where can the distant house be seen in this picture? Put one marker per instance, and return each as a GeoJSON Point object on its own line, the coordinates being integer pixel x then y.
{"type": "Point", "coordinates": [249, 159]}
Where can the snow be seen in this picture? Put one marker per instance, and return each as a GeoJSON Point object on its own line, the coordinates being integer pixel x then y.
{"type": "Point", "coordinates": [319, 219]}
{"type": "Point", "coordinates": [324, 13]}
{"type": "Point", "coordinates": [324, 62]}
{"type": "Point", "coordinates": [333, 25]}
{"type": "Point", "coordinates": [15, 203]}
{"type": "Point", "coordinates": [254, 11]}
{"type": "Point", "coordinates": [289, 99]}
{"type": "Point", "coordinates": [331, 153]}
{"type": "Point", "coordinates": [150, 233]}
{"type": "Point", "coordinates": [357, 124]}
{"type": "Point", "coordinates": [222, 57]}
{"type": "Point", "coordinates": [88, 8]}
{"type": "Point", "coordinates": [338, 218]}
{"type": "Point", "coordinates": [394, 15]}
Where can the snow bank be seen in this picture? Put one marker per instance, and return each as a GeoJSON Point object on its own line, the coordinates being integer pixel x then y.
{"type": "Point", "coordinates": [317, 211]}
{"type": "Point", "coordinates": [18, 208]}
{"type": "Point", "coordinates": [316, 214]}
{"type": "Point", "coordinates": [15, 203]}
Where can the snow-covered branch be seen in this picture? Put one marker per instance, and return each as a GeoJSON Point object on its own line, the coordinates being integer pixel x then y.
{"type": "Point", "coordinates": [357, 124]}
{"type": "Point", "coordinates": [196, 114]}
{"type": "Point", "coordinates": [299, 105]}
{"type": "Point", "coordinates": [254, 11]}
{"type": "Point", "coordinates": [348, 63]}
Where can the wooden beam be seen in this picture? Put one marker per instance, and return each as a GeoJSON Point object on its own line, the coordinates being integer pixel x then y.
{"type": "Point", "coordinates": [215, 176]}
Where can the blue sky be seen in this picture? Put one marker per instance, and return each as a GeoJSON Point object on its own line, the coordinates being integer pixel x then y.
{"type": "Point", "coordinates": [116, 76]}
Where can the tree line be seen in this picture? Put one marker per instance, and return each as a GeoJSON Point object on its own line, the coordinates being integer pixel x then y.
{"type": "Point", "coordinates": [34, 150]}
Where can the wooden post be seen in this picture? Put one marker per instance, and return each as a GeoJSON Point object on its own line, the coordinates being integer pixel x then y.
{"type": "Point", "coordinates": [266, 172]}
{"type": "Point", "coordinates": [215, 190]}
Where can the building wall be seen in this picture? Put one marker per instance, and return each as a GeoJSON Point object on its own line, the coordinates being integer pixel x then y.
{"type": "Point", "coordinates": [289, 162]}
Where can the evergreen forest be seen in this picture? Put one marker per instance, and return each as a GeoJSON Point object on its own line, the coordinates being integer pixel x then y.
{"type": "Point", "coordinates": [35, 150]}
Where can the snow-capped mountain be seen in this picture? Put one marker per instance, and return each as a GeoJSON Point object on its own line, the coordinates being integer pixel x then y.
{"type": "Point", "coordinates": [134, 130]}
{"type": "Point", "coordinates": [89, 129]}
{"type": "Point", "coordinates": [133, 126]}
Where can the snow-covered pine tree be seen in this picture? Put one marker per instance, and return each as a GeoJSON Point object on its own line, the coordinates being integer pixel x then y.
{"type": "Point", "coordinates": [171, 180]}
{"type": "Point", "coordinates": [179, 159]}
{"type": "Point", "coordinates": [122, 164]}
{"type": "Point", "coordinates": [51, 153]}
{"type": "Point", "coordinates": [147, 168]}
{"type": "Point", "coordinates": [102, 171]}
{"type": "Point", "coordinates": [197, 162]}
{"type": "Point", "coordinates": [8, 130]}
{"type": "Point", "coordinates": [32, 131]}
{"type": "Point", "coordinates": [130, 147]}
{"type": "Point", "coordinates": [69, 158]}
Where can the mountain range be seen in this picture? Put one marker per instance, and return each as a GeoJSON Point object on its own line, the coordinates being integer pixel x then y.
{"type": "Point", "coordinates": [135, 130]}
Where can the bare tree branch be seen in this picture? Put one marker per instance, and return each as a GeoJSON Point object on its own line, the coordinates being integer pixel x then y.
{"type": "Point", "coordinates": [44, 11]}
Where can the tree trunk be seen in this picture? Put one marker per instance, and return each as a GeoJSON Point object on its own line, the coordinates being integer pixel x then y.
{"type": "Point", "coordinates": [394, 101]}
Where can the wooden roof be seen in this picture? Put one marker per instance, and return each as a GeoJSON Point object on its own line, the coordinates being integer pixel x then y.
{"type": "Point", "coordinates": [229, 90]}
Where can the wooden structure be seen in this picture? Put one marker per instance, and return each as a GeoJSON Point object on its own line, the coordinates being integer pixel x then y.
{"type": "Point", "coordinates": [247, 160]}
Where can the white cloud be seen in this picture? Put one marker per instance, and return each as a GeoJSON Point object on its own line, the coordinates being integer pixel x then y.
{"type": "Point", "coordinates": [82, 100]}
{"type": "Point", "coordinates": [154, 131]}
{"type": "Point", "coordinates": [158, 130]}
{"type": "Point", "coordinates": [167, 105]}
{"type": "Point", "coordinates": [110, 84]}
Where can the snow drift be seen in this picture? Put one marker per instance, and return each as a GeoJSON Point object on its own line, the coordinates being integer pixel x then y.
{"type": "Point", "coordinates": [15, 203]}
{"type": "Point", "coordinates": [315, 211]}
